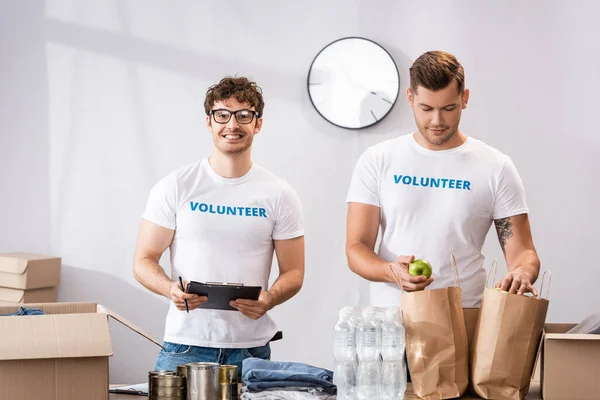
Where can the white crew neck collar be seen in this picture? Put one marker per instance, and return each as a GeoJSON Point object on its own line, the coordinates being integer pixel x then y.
{"type": "Point", "coordinates": [420, 149]}
{"type": "Point", "coordinates": [226, 181]}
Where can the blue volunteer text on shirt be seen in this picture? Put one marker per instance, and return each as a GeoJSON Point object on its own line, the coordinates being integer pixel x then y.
{"type": "Point", "coordinates": [228, 210]}
{"type": "Point", "coordinates": [444, 183]}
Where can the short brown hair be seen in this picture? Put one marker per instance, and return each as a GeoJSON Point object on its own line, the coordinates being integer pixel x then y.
{"type": "Point", "coordinates": [435, 70]}
{"type": "Point", "coordinates": [240, 88]}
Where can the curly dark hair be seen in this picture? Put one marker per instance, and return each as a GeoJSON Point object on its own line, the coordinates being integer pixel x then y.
{"type": "Point", "coordinates": [240, 88]}
{"type": "Point", "coordinates": [435, 70]}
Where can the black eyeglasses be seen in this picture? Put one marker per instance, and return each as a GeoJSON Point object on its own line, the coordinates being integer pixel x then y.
{"type": "Point", "coordinates": [222, 116]}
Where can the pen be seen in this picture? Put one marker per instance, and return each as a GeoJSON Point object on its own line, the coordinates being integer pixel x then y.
{"type": "Point", "coordinates": [183, 290]}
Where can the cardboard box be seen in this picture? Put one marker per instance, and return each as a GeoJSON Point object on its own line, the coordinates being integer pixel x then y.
{"type": "Point", "coordinates": [43, 295]}
{"type": "Point", "coordinates": [29, 271]}
{"type": "Point", "coordinates": [59, 356]}
{"type": "Point", "coordinates": [569, 364]}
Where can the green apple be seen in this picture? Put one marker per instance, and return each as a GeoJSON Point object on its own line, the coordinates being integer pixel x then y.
{"type": "Point", "coordinates": [419, 267]}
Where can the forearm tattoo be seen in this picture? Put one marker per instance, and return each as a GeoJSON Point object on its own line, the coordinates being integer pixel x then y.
{"type": "Point", "coordinates": [504, 230]}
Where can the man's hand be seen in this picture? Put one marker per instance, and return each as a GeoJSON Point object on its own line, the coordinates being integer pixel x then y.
{"type": "Point", "coordinates": [409, 283]}
{"type": "Point", "coordinates": [178, 296]}
{"type": "Point", "coordinates": [517, 281]}
{"type": "Point", "coordinates": [254, 308]}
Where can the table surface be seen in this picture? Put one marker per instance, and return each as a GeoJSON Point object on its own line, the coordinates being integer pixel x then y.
{"type": "Point", "coordinates": [534, 394]}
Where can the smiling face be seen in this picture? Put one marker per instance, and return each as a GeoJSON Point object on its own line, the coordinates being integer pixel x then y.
{"type": "Point", "coordinates": [232, 138]}
{"type": "Point", "coordinates": [437, 115]}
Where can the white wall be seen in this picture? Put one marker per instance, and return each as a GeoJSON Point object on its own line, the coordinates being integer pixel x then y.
{"type": "Point", "coordinates": [100, 99]}
{"type": "Point", "coordinates": [24, 155]}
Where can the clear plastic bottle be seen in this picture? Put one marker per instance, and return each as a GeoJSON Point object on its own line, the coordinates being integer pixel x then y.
{"type": "Point", "coordinates": [344, 352]}
{"type": "Point", "coordinates": [393, 370]}
{"type": "Point", "coordinates": [379, 318]}
{"type": "Point", "coordinates": [354, 314]}
{"type": "Point", "coordinates": [368, 375]}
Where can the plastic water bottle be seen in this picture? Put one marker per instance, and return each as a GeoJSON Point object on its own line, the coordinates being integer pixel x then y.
{"type": "Point", "coordinates": [376, 314]}
{"type": "Point", "coordinates": [368, 375]}
{"type": "Point", "coordinates": [393, 370]}
{"type": "Point", "coordinates": [344, 352]}
{"type": "Point", "coordinates": [379, 318]}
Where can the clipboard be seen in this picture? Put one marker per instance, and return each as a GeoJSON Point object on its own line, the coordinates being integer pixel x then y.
{"type": "Point", "coordinates": [221, 293]}
{"type": "Point", "coordinates": [141, 389]}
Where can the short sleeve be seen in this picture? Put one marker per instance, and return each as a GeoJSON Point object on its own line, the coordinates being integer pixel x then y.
{"type": "Point", "coordinates": [289, 222]}
{"type": "Point", "coordinates": [161, 207]}
{"type": "Point", "coordinates": [510, 193]}
{"type": "Point", "coordinates": [364, 186]}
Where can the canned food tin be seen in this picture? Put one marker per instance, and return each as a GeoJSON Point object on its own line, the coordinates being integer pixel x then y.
{"type": "Point", "coordinates": [228, 382]}
{"type": "Point", "coordinates": [228, 391]}
{"type": "Point", "coordinates": [202, 381]}
{"type": "Point", "coordinates": [156, 373]}
{"type": "Point", "coordinates": [228, 374]}
{"type": "Point", "coordinates": [182, 370]}
{"type": "Point", "coordinates": [167, 387]}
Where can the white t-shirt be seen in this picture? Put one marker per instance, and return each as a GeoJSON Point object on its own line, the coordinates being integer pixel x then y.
{"type": "Point", "coordinates": [224, 232]}
{"type": "Point", "coordinates": [435, 204]}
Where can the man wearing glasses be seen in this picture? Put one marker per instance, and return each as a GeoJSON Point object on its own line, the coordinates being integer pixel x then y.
{"type": "Point", "coordinates": [222, 218]}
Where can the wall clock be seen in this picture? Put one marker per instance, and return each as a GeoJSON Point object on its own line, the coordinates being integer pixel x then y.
{"type": "Point", "coordinates": [353, 82]}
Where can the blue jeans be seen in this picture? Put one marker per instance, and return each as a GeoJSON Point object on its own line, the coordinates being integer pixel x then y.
{"type": "Point", "coordinates": [262, 375]}
{"type": "Point", "coordinates": [24, 311]}
{"type": "Point", "coordinates": [175, 354]}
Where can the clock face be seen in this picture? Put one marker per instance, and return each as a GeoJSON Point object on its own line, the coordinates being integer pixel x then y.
{"type": "Point", "coordinates": [353, 83]}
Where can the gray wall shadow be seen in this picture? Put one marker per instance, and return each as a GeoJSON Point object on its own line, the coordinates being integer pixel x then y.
{"type": "Point", "coordinates": [136, 52]}
{"type": "Point", "coordinates": [181, 61]}
{"type": "Point", "coordinates": [24, 184]}
{"type": "Point", "coordinates": [133, 355]}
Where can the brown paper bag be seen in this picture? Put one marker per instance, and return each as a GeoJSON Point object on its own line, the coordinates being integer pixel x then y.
{"type": "Point", "coordinates": [471, 317]}
{"type": "Point", "coordinates": [506, 342]}
{"type": "Point", "coordinates": [436, 341]}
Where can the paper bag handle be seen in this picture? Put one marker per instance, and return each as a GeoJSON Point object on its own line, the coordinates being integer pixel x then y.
{"type": "Point", "coordinates": [548, 286]}
{"type": "Point", "coordinates": [396, 277]}
{"type": "Point", "coordinates": [455, 270]}
{"type": "Point", "coordinates": [492, 269]}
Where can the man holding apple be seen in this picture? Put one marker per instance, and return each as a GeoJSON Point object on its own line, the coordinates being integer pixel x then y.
{"type": "Point", "coordinates": [435, 193]}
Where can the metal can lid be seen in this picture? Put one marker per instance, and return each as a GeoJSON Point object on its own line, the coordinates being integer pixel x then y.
{"type": "Point", "coordinates": [182, 370]}
{"type": "Point", "coordinates": [202, 366]}
{"type": "Point", "coordinates": [161, 372]}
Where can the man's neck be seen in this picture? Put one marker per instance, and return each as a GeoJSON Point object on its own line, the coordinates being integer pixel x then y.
{"type": "Point", "coordinates": [455, 141]}
{"type": "Point", "coordinates": [230, 166]}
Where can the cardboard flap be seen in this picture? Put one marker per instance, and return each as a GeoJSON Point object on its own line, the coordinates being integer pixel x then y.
{"type": "Point", "coordinates": [20, 263]}
{"type": "Point", "coordinates": [54, 336]}
{"type": "Point", "coordinates": [558, 328]}
{"type": "Point", "coordinates": [11, 295]}
{"type": "Point", "coordinates": [14, 263]}
{"type": "Point", "coordinates": [558, 332]}
{"type": "Point", "coordinates": [129, 324]}
{"type": "Point", "coordinates": [571, 336]}
{"type": "Point", "coordinates": [539, 354]}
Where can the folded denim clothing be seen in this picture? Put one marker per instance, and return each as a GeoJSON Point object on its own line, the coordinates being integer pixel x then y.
{"type": "Point", "coordinates": [259, 374]}
{"type": "Point", "coordinates": [286, 395]}
{"type": "Point", "coordinates": [308, 389]}
{"type": "Point", "coordinates": [24, 311]}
